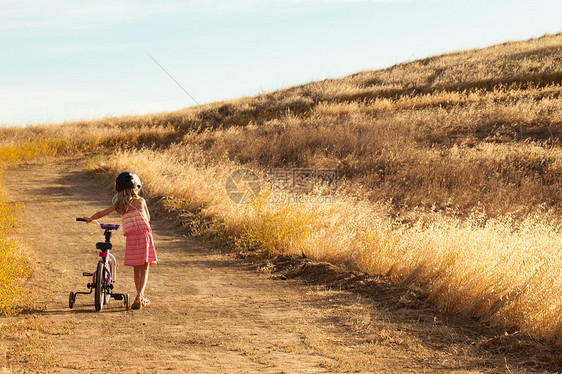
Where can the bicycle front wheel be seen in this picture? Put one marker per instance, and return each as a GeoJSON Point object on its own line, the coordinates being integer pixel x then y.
{"type": "Point", "coordinates": [99, 291]}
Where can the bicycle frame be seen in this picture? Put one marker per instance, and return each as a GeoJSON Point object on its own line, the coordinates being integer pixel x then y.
{"type": "Point", "coordinates": [109, 278]}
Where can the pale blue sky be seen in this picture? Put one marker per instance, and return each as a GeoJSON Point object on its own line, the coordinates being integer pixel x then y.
{"type": "Point", "coordinates": [66, 60]}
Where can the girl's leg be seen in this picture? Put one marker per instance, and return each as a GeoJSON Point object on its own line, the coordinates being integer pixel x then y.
{"type": "Point", "coordinates": [136, 275]}
{"type": "Point", "coordinates": [141, 279]}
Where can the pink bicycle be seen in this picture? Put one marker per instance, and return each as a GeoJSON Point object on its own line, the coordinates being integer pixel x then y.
{"type": "Point", "coordinates": [104, 277]}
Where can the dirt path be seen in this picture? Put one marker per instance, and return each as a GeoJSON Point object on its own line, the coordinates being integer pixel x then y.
{"type": "Point", "coordinates": [210, 312]}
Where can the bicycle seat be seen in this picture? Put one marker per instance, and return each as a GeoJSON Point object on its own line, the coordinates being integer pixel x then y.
{"type": "Point", "coordinates": [109, 226]}
{"type": "Point", "coordinates": [104, 246]}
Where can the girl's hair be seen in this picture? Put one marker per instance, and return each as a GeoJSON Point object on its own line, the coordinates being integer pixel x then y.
{"type": "Point", "coordinates": [123, 198]}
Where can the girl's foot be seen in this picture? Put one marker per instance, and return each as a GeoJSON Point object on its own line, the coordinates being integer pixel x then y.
{"type": "Point", "coordinates": [137, 304]}
{"type": "Point", "coordinates": [145, 302]}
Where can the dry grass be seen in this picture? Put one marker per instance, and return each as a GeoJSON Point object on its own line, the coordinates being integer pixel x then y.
{"type": "Point", "coordinates": [34, 142]}
{"type": "Point", "coordinates": [502, 270]}
{"type": "Point", "coordinates": [13, 264]}
{"type": "Point", "coordinates": [455, 156]}
{"type": "Point", "coordinates": [450, 171]}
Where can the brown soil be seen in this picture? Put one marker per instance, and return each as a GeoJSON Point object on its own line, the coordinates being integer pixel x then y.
{"type": "Point", "coordinates": [212, 312]}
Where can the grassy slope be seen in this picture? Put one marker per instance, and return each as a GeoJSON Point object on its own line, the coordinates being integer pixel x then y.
{"type": "Point", "coordinates": [455, 161]}
{"type": "Point", "coordinates": [457, 130]}
{"type": "Point", "coordinates": [474, 128]}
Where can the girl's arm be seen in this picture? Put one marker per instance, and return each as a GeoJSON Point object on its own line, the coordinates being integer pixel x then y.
{"type": "Point", "coordinates": [100, 214]}
{"type": "Point", "coordinates": [145, 208]}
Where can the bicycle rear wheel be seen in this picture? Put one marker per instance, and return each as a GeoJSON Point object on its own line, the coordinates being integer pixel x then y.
{"type": "Point", "coordinates": [112, 276]}
{"type": "Point", "coordinates": [99, 291]}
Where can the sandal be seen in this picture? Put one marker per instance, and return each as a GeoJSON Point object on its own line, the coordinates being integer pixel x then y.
{"type": "Point", "coordinates": [145, 302]}
{"type": "Point", "coordinates": [137, 304]}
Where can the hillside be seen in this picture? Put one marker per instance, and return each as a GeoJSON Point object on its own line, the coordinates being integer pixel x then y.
{"type": "Point", "coordinates": [452, 131]}
{"type": "Point", "coordinates": [449, 172]}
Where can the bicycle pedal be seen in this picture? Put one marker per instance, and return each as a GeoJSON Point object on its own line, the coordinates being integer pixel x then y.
{"type": "Point", "coordinates": [87, 274]}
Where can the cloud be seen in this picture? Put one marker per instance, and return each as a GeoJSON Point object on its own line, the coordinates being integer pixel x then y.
{"type": "Point", "coordinates": [90, 48]}
{"type": "Point", "coordinates": [64, 15]}
{"type": "Point", "coordinates": [29, 103]}
{"type": "Point", "coordinates": [36, 104]}
{"type": "Point", "coordinates": [77, 14]}
{"type": "Point", "coordinates": [27, 14]}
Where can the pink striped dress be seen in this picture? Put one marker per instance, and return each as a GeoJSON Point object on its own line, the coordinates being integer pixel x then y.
{"type": "Point", "coordinates": [139, 244]}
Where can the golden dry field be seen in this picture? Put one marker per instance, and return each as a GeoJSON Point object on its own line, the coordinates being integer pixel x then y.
{"type": "Point", "coordinates": [449, 175]}
{"type": "Point", "coordinates": [13, 264]}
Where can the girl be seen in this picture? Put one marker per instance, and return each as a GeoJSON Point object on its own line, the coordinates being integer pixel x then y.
{"type": "Point", "coordinates": [139, 247]}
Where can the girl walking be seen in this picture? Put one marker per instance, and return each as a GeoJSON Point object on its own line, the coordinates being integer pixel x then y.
{"type": "Point", "coordinates": [139, 247]}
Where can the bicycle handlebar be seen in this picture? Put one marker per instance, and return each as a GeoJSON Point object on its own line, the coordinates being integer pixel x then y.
{"type": "Point", "coordinates": [103, 226]}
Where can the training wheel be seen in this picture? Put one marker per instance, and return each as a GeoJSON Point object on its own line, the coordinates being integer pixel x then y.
{"type": "Point", "coordinates": [126, 302]}
{"type": "Point", "coordinates": [71, 300]}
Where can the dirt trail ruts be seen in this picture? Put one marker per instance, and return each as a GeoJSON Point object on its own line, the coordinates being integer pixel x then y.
{"type": "Point", "coordinates": [210, 312]}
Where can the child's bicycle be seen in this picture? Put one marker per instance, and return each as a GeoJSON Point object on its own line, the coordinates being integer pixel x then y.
{"type": "Point", "coordinates": [104, 277]}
